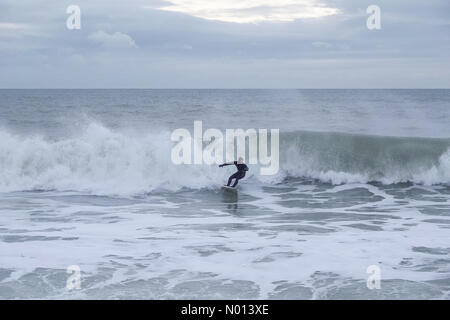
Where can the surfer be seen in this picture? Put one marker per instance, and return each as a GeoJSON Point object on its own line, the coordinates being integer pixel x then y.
{"type": "Point", "coordinates": [241, 167]}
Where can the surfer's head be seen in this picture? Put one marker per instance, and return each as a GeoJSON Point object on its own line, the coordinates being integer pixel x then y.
{"type": "Point", "coordinates": [240, 160]}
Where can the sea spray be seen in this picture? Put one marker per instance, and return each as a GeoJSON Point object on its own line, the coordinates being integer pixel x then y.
{"type": "Point", "coordinates": [106, 161]}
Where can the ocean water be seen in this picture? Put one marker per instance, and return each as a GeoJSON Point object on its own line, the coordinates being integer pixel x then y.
{"type": "Point", "coordinates": [86, 180]}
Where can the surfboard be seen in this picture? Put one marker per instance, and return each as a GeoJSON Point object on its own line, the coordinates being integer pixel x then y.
{"type": "Point", "coordinates": [230, 189]}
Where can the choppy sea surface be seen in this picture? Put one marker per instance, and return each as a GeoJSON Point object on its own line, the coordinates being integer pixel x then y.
{"type": "Point", "coordinates": [86, 180]}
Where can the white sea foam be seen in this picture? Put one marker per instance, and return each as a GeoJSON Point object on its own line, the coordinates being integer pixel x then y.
{"type": "Point", "coordinates": [105, 161]}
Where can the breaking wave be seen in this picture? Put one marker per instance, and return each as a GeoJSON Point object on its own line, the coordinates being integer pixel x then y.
{"type": "Point", "coordinates": [101, 160]}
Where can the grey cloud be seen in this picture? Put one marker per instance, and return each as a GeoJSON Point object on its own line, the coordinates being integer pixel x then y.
{"type": "Point", "coordinates": [180, 50]}
{"type": "Point", "coordinates": [114, 40]}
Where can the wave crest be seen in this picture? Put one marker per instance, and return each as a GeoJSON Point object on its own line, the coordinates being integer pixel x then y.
{"type": "Point", "coordinates": [104, 161]}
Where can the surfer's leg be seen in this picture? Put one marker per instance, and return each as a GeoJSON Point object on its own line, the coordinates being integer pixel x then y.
{"type": "Point", "coordinates": [234, 175]}
{"type": "Point", "coordinates": [239, 176]}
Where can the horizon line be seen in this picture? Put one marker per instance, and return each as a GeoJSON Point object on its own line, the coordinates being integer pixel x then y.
{"type": "Point", "coordinates": [230, 88]}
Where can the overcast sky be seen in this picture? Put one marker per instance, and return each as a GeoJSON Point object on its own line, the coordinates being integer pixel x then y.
{"type": "Point", "coordinates": [224, 44]}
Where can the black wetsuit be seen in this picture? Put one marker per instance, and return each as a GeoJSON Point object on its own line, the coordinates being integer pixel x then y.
{"type": "Point", "coordinates": [242, 168]}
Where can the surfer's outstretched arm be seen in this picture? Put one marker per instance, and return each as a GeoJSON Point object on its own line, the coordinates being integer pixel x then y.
{"type": "Point", "coordinates": [226, 164]}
